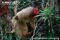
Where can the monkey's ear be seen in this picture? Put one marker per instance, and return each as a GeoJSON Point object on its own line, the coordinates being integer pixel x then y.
{"type": "Point", "coordinates": [16, 17]}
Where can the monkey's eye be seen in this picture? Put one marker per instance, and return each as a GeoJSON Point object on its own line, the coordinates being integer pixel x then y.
{"type": "Point", "coordinates": [16, 17]}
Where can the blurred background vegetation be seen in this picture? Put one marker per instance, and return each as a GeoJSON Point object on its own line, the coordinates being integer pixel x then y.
{"type": "Point", "coordinates": [48, 23]}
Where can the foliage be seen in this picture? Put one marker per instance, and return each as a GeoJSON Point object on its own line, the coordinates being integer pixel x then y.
{"type": "Point", "coordinates": [48, 25]}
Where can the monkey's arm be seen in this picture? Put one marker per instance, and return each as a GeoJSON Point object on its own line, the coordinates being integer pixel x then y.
{"type": "Point", "coordinates": [33, 23]}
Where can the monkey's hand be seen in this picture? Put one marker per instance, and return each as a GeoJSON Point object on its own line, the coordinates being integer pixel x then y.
{"type": "Point", "coordinates": [29, 34]}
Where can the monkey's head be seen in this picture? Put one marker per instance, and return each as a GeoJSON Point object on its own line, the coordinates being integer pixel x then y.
{"type": "Point", "coordinates": [35, 11]}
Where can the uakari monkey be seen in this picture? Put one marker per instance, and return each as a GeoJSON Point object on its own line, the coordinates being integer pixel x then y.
{"type": "Point", "coordinates": [21, 21]}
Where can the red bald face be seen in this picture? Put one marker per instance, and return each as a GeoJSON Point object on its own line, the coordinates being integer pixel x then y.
{"type": "Point", "coordinates": [35, 11]}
